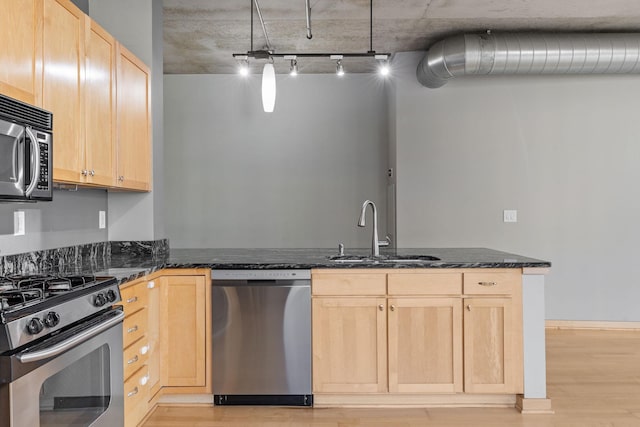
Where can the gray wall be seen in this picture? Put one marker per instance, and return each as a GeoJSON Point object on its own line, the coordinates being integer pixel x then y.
{"type": "Point", "coordinates": [238, 177]}
{"type": "Point", "coordinates": [70, 219]}
{"type": "Point", "coordinates": [561, 150]}
{"type": "Point", "coordinates": [138, 216]}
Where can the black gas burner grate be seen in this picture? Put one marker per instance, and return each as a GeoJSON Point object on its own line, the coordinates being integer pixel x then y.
{"type": "Point", "coordinates": [19, 290]}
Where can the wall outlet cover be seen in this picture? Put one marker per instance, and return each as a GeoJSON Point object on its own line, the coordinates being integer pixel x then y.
{"type": "Point", "coordinates": [102, 219]}
{"type": "Point", "coordinates": [19, 223]}
{"type": "Point", "coordinates": [510, 215]}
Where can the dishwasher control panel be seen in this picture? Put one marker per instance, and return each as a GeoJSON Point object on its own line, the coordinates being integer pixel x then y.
{"type": "Point", "coordinates": [260, 274]}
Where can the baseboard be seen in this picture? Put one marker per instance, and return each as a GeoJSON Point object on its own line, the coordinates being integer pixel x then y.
{"type": "Point", "coordinates": [533, 406]}
{"type": "Point", "coordinates": [459, 400]}
{"type": "Point", "coordinates": [185, 399]}
{"type": "Point", "coordinates": [592, 324]}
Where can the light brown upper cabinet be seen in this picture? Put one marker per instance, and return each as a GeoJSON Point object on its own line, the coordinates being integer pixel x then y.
{"type": "Point", "coordinates": [21, 53]}
{"type": "Point", "coordinates": [133, 123]}
{"type": "Point", "coordinates": [62, 81]}
{"type": "Point", "coordinates": [100, 106]}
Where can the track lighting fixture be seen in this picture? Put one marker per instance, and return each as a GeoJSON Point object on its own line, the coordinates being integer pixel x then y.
{"type": "Point", "coordinates": [384, 68]}
{"type": "Point", "coordinates": [267, 53]}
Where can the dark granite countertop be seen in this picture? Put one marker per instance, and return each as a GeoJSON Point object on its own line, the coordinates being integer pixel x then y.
{"type": "Point", "coordinates": [128, 267]}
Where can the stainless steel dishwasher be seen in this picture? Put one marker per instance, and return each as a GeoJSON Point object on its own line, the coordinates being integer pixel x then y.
{"type": "Point", "coordinates": [262, 337]}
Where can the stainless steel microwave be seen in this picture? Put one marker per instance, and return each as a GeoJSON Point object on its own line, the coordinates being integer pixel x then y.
{"type": "Point", "coordinates": [26, 152]}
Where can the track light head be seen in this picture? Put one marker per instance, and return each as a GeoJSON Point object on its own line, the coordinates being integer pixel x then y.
{"type": "Point", "coordinates": [339, 68]}
{"type": "Point", "coordinates": [384, 69]}
{"type": "Point", "coordinates": [243, 67]}
{"type": "Point", "coordinates": [293, 70]}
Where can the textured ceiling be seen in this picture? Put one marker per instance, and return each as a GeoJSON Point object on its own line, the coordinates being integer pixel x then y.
{"type": "Point", "coordinates": [200, 36]}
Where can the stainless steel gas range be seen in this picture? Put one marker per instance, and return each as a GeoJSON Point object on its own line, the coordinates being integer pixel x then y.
{"type": "Point", "coordinates": [60, 351]}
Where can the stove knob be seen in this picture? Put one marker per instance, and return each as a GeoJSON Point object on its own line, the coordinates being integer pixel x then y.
{"type": "Point", "coordinates": [51, 319]}
{"type": "Point", "coordinates": [34, 326]}
{"type": "Point", "coordinates": [111, 295]}
{"type": "Point", "coordinates": [99, 300]}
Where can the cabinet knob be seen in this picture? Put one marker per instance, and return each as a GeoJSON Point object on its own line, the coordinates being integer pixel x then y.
{"type": "Point", "coordinates": [381, 307]}
{"type": "Point", "coordinates": [151, 285]}
{"type": "Point", "coordinates": [392, 308]}
{"type": "Point", "coordinates": [84, 172]}
{"type": "Point", "coordinates": [468, 307]}
{"type": "Point", "coordinates": [144, 380]}
{"type": "Point", "coordinates": [93, 172]}
{"type": "Point", "coordinates": [121, 178]}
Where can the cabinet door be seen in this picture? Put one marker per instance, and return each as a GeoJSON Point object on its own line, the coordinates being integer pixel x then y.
{"type": "Point", "coordinates": [349, 345]}
{"type": "Point", "coordinates": [492, 361]}
{"type": "Point", "coordinates": [133, 122]}
{"type": "Point", "coordinates": [100, 107]}
{"type": "Point", "coordinates": [63, 78]}
{"type": "Point", "coordinates": [21, 53]}
{"type": "Point", "coordinates": [153, 335]}
{"type": "Point", "coordinates": [183, 333]}
{"type": "Point", "coordinates": [425, 345]}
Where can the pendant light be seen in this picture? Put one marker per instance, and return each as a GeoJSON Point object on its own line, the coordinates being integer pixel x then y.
{"type": "Point", "coordinates": [268, 87]}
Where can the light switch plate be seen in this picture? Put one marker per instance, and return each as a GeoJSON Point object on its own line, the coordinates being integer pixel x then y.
{"type": "Point", "coordinates": [102, 219]}
{"type": "Point", "coordinates": [18, 223]}
{"type": "Point", "coordinates": [510, 215]}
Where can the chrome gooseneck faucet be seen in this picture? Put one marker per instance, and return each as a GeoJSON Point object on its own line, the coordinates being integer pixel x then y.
{"type": "Point", "coordinates": [375, 243]}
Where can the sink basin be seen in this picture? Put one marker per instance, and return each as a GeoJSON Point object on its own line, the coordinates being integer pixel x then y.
{"type": "Point", "coordinates": [410, 258]}
{"type": "Point", "coordinates": [383, 258]}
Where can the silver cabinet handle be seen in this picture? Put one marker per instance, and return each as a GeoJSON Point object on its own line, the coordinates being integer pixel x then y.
{"type": "Point", "coordinates": [71, 342]}
{"type": "Point", "coordinates": [381, 307]}
{"type": "Point", "coordinates": [93, 172]}
{"type": "Point", "coordinates": [84, 172]}
{"type": "Point", "coordinates": [132, 299]}
{"type": "Point", "coordinates": [487, 283]}
{"type": "Point", "coordinates": [132, 360]}
{"type": "Point", "coordinates": [133, 392]}
{"type": "Point", "coordinates": [133, 329]}
{"type": "Point", "coordinates": [392, 308]}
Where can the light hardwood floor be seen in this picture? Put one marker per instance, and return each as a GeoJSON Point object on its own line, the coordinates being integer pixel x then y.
{"type": "Point", "coordinates": [593, 379]}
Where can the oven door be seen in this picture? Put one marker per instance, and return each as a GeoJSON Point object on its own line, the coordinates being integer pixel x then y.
{"type": "Point", "coordinates": [12, 156]}
{"type": "Point", "coordinates": [77, 386]}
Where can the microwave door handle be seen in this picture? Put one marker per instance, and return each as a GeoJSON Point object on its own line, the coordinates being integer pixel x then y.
{"type": "Point", "coordinates": [35, 162]}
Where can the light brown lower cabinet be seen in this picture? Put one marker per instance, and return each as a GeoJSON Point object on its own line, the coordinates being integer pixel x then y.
{"type": "Point", "coordinates": [424, 333]}
{"type": "Point", "coordinates": [166, 338]}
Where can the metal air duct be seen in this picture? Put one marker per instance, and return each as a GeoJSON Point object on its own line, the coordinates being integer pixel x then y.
{"type": "Point", "coordinates": [511, 53]}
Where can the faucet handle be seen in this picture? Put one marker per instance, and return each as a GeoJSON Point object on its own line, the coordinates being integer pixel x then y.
{"type": "Point", "coordinates": [340, 249]}
{"type": "Point", "coordinates": [385, 242]}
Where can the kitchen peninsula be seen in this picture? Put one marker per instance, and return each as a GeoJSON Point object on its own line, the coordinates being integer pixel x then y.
{"type": "Point", "coordinates": [461, 277]}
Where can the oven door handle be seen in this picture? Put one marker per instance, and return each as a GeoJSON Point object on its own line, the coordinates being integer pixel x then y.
{"type": "Point", "coordinates": [71, 342]}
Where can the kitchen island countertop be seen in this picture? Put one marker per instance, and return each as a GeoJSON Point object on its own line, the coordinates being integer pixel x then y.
{"type": "Point", "coordinates": [131, 266]}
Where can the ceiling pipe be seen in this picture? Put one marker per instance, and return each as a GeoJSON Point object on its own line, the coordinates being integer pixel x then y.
{"type": "Point", "coordinates": [529, 54]}
{"type": "Point", "coordinates": [264, 29]}
{"type": "Point", "coordinates": [309, 35]}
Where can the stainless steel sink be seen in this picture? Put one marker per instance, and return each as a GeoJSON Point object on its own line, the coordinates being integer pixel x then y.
{"type": "Point", "coordinates": [390, 259]}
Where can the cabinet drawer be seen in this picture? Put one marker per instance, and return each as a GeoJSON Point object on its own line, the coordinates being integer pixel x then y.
{"type": "Point", "coordinates": [136, 395]}
{"type": "Point", "coordinates": [135, 356]}
{"type": "Point", "coordinates": [491, 283]}
{"type": "Point", "coordinates": [349, 284]}
{"type": "Point", "coordinates": [134, 327]}
{"type": "Point", "coordinates": [425, 284]}
{"type": "Point", "coordinates": [134, 297]}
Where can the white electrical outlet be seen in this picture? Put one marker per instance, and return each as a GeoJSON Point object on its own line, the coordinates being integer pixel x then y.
{"type": "Point", "coordinates": [18, 223]}
{"type": "Point", "coordinates": [102, 219]}
{"type": "Point", "coordinates": [510, 215]}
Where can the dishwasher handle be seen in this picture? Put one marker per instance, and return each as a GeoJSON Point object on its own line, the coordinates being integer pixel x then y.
{"type": "Point", "coordinates": [261, 283]}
